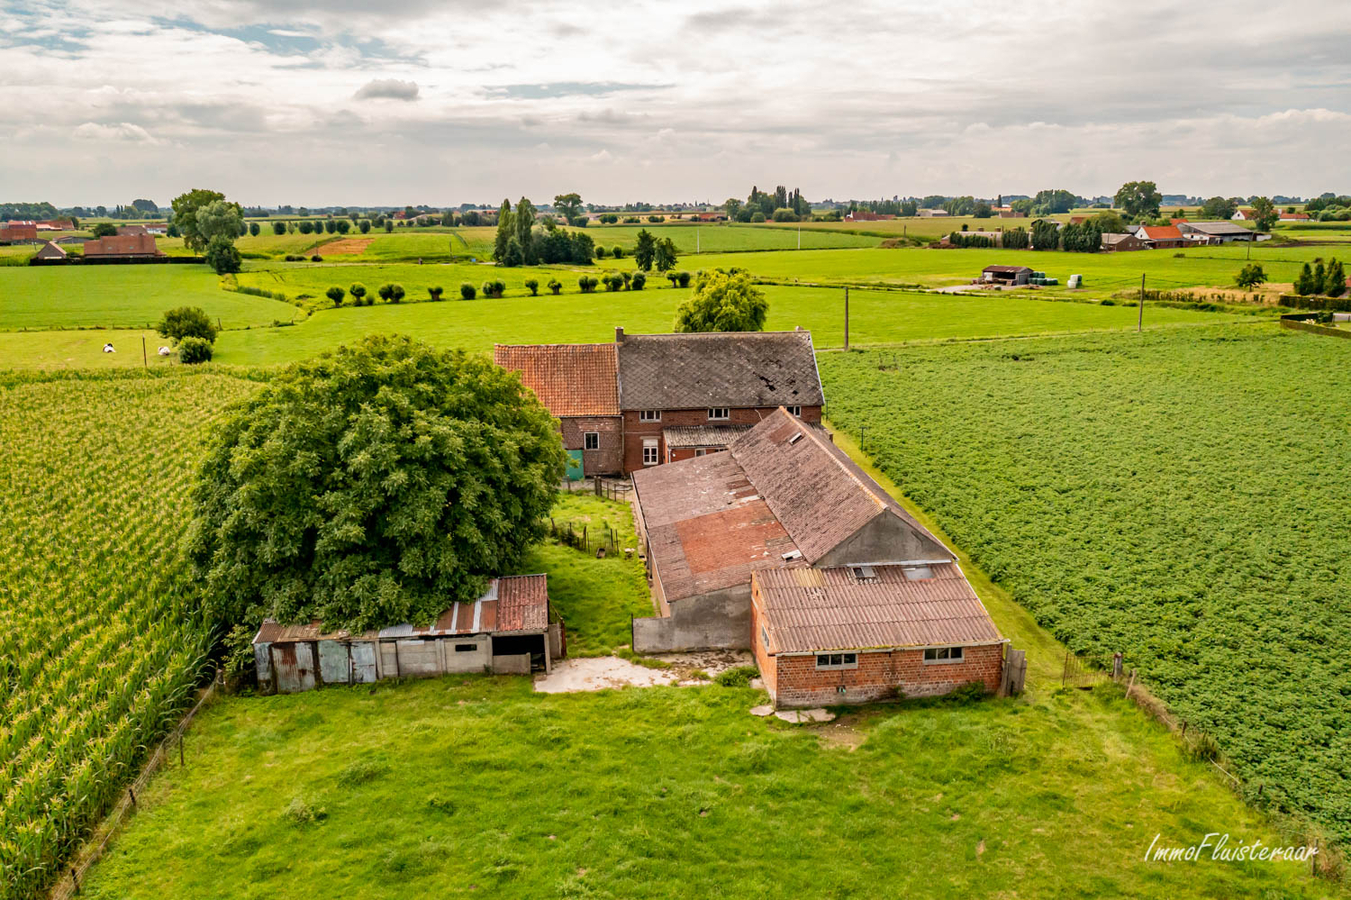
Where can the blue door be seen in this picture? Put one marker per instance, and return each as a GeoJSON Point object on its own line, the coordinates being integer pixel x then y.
{"type": "Point", "coordinates": [574, 465]}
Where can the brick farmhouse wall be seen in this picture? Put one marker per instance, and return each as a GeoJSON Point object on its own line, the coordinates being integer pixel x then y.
{"type": "Point", "coordinates": [799, 683]}
{"type": "Point", "coordinates": [609, 459]}
{"type": "Point", "coordinates": [635, 431]}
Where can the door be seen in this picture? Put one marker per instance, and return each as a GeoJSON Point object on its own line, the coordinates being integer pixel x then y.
{"type": "Point", "coordinates": [293, 667]}
{"type": "Point", "coordinates": [363, 662]}
{"type": "Point", "coordinates": [575, 470]}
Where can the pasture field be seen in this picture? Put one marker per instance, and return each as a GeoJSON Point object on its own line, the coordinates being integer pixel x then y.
{"type": "Point", "coordinates": [98, 655]}
{"type": "Point", "coordinates": [1179, 497]}
{"type": "Point", "coordinates": [308, 281]}
{"type": "Point", "coordinates": [119, 297]}
{"type": "Point", "coordinates": [876, 317]}
{"type": "Point", "coordinates": [724, 238]}
{"type": "Point", "coordinates": [81, 348]}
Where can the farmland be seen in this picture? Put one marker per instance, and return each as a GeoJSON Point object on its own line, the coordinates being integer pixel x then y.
{"type": "Point", "coordinates": [1179, 497]}
{"type": "Point", "coordinates": [97, 652]}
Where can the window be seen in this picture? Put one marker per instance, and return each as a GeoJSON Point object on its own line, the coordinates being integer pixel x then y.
{"type": "Point", "coordinates": [717, 412]}
{"type": "Point", "coordinates": [591, 440]}
{"type": "Point", "coordinates": [837, 660]}
{"type": "Point", "coordinates": [764, 638]}
{"type": "Point", "coordinates": [650, 457]}
{"type": "Point", "coordinates": [943, 655]}
{"type": "Point", "coordinates": [796, 410]}
{"type": "Point", "coordinates": [700, 452]}
{"type": "Point", "coordinates": [649, 415]}
{"type": "Point", "coordinates": [864, 573]}
{"type": "Point", "coordinates": [466, 648]}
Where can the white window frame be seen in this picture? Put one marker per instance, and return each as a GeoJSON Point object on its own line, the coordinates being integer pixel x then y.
{"type": "Point", "coordinates": [846, 661]}
{"type": "Point", "coordinates": [649, 415]}
{"type": "Point", "coordinates": [796, 411]}
{"type": "Point", "coordinates": [651, 452]}
{"type": "Point", "coordinates": [713, 413]}
{"type": "Point", "coordinates": [589, 438]}
{"type": "Point", "coordinates": [944, 656]}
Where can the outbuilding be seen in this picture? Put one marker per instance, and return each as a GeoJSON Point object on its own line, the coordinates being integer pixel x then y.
{"type": "Point", "coordinates": [509, 630]}
{"type": "Point", "coordinates": [50, 251]}
{"type": "Point", "coordinates": [1014, 275]}
{"type": "Point", "coordinates": [1116, 243]}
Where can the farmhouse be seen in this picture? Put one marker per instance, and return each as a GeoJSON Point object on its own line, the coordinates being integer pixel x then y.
{"type": "Point", "coordinates": [1294, 217]}
{"type": "Point", "coordinates": [128, 246]}
{"type": "Point", "coordinates": [863, 215]}
{"type": "Point", "coordinates": [649, 399]}
{"type": "Point", "coordinates": [785, 506]}
{"type": "Point", "coordinates": [506, 631]}
{"type": "Point", "coordinates": [932, 213]}
{"type": "Point", "coordinates": [853, 634]}
{"type": "Point", "coordinates": [1161, 237]}
{"type": "Point", "coordinates": [50, 251]}
{"type": "Point", "coordinates": [16, 232]}
{"type": "Point", "coordinates": [1014, 275]}
{"type": "Point", "coordinates": [1121, 242]}
{"type": "Point", "coordinates": [579, 385]}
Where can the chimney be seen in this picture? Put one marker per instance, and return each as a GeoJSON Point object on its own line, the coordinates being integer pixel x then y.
{"type": "Point", "coordinates": [619, 334]}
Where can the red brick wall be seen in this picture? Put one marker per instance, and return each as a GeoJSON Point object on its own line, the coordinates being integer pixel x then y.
{"type": "Point", "coordinates": [799, 683]}
{"type": "Point", "coordinates": [122, 245]}
{"type": "Point", "coordinates": [609, 459]}
{"type": "Point", "coordinates": [768, 671]}
{"type": "Point", "coordinates": [691, 453]}
{"type": "Point", "coordinates": [635, 431]}
{"type": "Point", "coordinates": [19, 233]}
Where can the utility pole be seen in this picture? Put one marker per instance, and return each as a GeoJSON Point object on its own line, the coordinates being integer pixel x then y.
{"type": "Point", "coordinates": [696, 239]}
{"type": "Point", "coordinates": [799, 235]}
{"type": "Point", "coordinates": [846, 319]}
{"type": "Point", "coordinates": [145, 357]}
{"type": "Point", "coordinates": [1140, 323]}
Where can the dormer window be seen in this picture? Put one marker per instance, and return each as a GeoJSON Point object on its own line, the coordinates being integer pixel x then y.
{"type": "Point", "coordinates": [863, 574]}
{"type": "Point", "coordinates": [917, 573]}
{"type": "Point", "coordinates": [718, 413]}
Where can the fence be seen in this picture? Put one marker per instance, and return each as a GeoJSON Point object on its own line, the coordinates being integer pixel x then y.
{"type": "Point", "coordinates": [69, 885]}
{"type": "Point", "coordinates": [612, 490]}
{"type": "Point", "coordinates": [603, 539]}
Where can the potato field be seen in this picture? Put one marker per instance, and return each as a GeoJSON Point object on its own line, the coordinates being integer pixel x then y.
{"type": "Point", "coordinates": [1179, 497]}
{"type": "Point", "coordinates": [97, 655]}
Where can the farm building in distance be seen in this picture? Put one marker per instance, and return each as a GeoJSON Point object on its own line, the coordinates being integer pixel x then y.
{"type": "Point", "coordinates": [506, 631]}
{"type": "Point", "coordinates": [1011, 275]}
{"type": "Point", "coordinates": [785, 507]}
{"type": "Point", "coordinates": [122, 246]}
{"type": "Point", "coordinates": [863, 215]}
{"type": "Point", "coordinates": [17, 232]}
{"type": "Point", "coordinates": [50, 251]}
{"type": "Point", "coordinates": [650, 399]}
{"type": "Point", "coordinates": [1115, 243]}
{"type": "Point", "coordinates": [1215, 232]}
{"type": "Point", "coordinates": [1161, 237]}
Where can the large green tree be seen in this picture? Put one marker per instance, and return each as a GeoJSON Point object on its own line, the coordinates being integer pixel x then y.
{"type": "Point", "coordinates": [1139, 199]}
{"type": "Point", "coordinates": [370, 486]}
{"type": "Point", "coordinates": [1218, 208]}
{"type": "Point", "coordinates": [525, 221]}
{"type": "Point", "coordinates": [723, 300]}
{"type": "Point", "coordinates": [645, 250]}
{"type": "Point", "coordinates": [1264, 213]}
{"type": "Point", "coordinates": [506, 230]}
{"type": "Point", "coordinates": [224, 219]}
{"type": "Point", "coordinates": [569, 206]}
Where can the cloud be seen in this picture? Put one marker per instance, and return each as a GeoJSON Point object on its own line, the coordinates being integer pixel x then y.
{"type": "Point", "coordinates": [387, 89]}
{"type": "Point", "coordinates": [110, 133]}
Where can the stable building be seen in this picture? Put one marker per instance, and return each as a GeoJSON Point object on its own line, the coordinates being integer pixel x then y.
{"type": "Point", "coordinates": [509, 630]}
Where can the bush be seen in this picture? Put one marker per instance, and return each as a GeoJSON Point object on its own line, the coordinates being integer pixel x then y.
{"type": "Point", "coordinates": [555, 285]}
{"type": "Point", "coordinates": [306, 227]}
{"type": "Point", "coordinates": [335, 294]}
{"type": "Point", "coordinates": [278, 228]}
{"type": "Point", "coordinates": [587, 283]}
{"type": "Point", "coordinates": [739, 676]}
{"type": "Point", "coordinates": [1251, 276]}
{"type": "Point", "coordinates": [386, 292]}
{"type": "Point", "coordinates": [192, 350]}
{"type": "Point", "coordinates": [757, 217]}
{"type": "Point", "coordinates": [723, 300]}
{"type": "Point", "coordinates": [608, 218]}
{"type": "Point", "coordinates": [396, 293]}
{"type": "Point", "coordinates": [683, 279]}
{"type": "Point", "coordinates": [254, 229]}
{"type": "Point", "coordinates": [185, 322]}
{"type": "Point", "coordinates": [600, 252]}
{"type": "Point", "coordinates": [291, 257]}
{"type": "Point", "coordinates": [435, 292]}
{"type": "Point", "coordinates": [358, 292]}
{"type": "Point", "coordinates": [785, 215]}
{"type": "Point", "coordinates": [631, 220]}
{"type": "Point", "coordinates": [613, 281]}
{"type": "Point", "coordinates": [222, 256]}
{"type": "Point", "coordinates": [533, 286]}
{"type": "Point", "coordinates": [468, 291]}
{"type": "Point", "coordinates": [494, 289]}
{"type": "Point", "coordinates": [316, 258]}
{"type": "Point", "coordinates": [638, 282]}
{"type": "Point", "coordinates": [656, 218]}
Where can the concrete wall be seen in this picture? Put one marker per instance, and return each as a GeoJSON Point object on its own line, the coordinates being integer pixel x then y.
{"type": "Point", "coordinates": [720, 620]}
{"type": "Point", "coordinates": [797, 681]}
{"type": "Point", "coordinates": [886, 538]}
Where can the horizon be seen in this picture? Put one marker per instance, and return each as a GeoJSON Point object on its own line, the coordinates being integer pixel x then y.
{"type": "Point", "coordinates": [340, 105]}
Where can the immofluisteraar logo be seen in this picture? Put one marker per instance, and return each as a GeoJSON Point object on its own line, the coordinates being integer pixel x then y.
{"type": "Point", "coordinates": [1222, 848]}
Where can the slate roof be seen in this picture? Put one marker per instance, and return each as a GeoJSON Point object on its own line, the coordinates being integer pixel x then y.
{"type": "Point", "coordinates": [569, 379]}
{"type": "Point", "coordinates": [737, 369]}
{"type": "Point", "coordinates": [819, 494]}
{"type": "Point", "coordinates": [514, 603]}
{"type": "Point", "coordinates": [809, 610]}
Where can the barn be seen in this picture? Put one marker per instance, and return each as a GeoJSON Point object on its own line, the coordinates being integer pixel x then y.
{"type": "Point", "coordinates": [1014, 275]}
{"type": "Point", "coordinates": [509, 630]}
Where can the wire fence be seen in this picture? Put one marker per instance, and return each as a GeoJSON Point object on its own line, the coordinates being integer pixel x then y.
{"type": "Point", "coordinates": [69, 885]}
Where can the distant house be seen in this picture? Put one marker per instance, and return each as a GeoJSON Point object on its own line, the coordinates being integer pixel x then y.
{"type": "Point", "coordinates": [1294, 217]}
{"type": "Point", "coordinates": [863, 215]}
{"type": "Point", "coordinates": [1014, 275]}
{"type": "Point", "coordinates": [56, 225]}
{"type": "Point", "coordinates": [1011, 214]}
{"type": "Point", "coordinates": [160, 230]}
{"type": "Point", "coordinates": [1215, 232]}
{"type": "Point", "coordinates": [1244, 215]}
{"type": "Point", "coordinates": [50, 251]}
{"type": "Point", "coordinates": [932, 213]}
{"type": "Point", "coordinates": [18, 231]}
{"type": "Point", "coordinates": [784, 545]}
{"type": "Point", "coordinates": [124, 246]}
{"type": "Point", "coordinates": [1116, 243]}
{"type": "Point", "coordinates": [509, 630]}
{"type": "Point", "coordinates": [126, 230]}
{"type": "Point", "coordinates": [1161, 237]}
{"type": "Point", "coordinates": [709, 217]}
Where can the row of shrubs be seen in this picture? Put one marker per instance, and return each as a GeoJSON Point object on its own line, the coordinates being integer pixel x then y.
{"type": "Point", "coordinates": [394, 293]}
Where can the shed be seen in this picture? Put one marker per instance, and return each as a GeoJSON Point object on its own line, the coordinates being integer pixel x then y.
{"type": "Point", "coordinates": [1006, 274]}
{"type": "Point", "coordinates": [50, 251]}
{"type": "Point", "coordinates": [506, 631]}
{"type": "Point", "coordinates": [1122, 242]}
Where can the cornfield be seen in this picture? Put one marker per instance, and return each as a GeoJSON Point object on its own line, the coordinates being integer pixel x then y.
{"type": "Point", "coordinates": [98, 655]}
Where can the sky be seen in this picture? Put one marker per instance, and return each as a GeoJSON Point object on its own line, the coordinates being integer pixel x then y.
{"type": "Point", "coordinates": [442, 102]}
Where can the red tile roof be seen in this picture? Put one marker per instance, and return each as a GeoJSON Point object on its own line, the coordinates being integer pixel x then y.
{"type": "Point", "coordinates": [569, 379]}
{"type": "Point", "coordinates": [808, 610]}
{"type": "Point", "coordinates": [1160, 232]}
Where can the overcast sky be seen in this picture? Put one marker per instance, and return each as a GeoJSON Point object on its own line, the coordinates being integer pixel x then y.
{"type": "Point", "coordinates": [447, 101]}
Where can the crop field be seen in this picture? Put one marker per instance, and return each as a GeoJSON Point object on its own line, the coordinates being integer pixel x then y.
{"type": "Point", "coordinates": [97, 654]}
{"type": "Point", "coordinates": [123, 297]}
{"type": "Point", "coordinates": [1179, 497]}
{"type": "Point", "coordinates": [724, 238]}
{"type": "Point", "coordinates": [876, 317]}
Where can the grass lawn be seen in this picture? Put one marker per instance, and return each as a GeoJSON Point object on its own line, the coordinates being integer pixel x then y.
{"type": "Point", "coordinates": [309, 280]}
{"type": "Point", "coordinates": [80, 349]}
{"type": "Point", "coordinates": [123, 297]}
{"type": "Point", "coordinates": [725, 238]}
{"type": "Point", "coordinates": [1178, 497]}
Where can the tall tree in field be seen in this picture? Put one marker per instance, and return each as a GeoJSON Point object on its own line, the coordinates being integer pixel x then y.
{"type": "Point", "coordinates": [1334, 281]}
{"type": "Point", "coordinates": [1218, 208]}
{"type": "Point", "coordinates": [664, 255]}
{"type": "Point", "coordinates": [1264, 212]}
{"type": "Point", "coordinates": [525, 221]}
{"type": "Point", "coordinates": [1139, 199]}
{"type": "Point", "coordinates": [723, 300]}
{"type": "Point", "coordinates": [187, 208]}
{"type": "Point", "coordinates": [374, 485]}
{"type": "Point", "coordinates": [569, 206]}
{"type": "Point", "coordinates": [733, 207]}
{"type": "Point", "coordinates": [645, 250]}
{"type": "Point", "coordinates": [505, 231]}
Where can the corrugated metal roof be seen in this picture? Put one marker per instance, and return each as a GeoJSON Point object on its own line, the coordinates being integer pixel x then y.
{"type": "Point", "coordinates": [512, 603]}
{"type": "Point", "coordinates": [679, 436]}
{"type": "Point", "coordinates": [569, 379]}
{"type": "Point", "coordinates": [809, 610]}
{"type": "Point", "coordinates": [735, 369]}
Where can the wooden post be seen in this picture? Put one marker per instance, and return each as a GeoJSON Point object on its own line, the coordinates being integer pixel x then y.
{"type": "Point", "coordinates": [145, 357]}
{"type": "Point", "coordinates": [1130, 687]}
{"type": "Point", "coordinates": [132, 794]}
{"type": "Point", "coordinates": [1065, 669]}
{"type": "Point", "coordinates": [1140, 323]}
{"type": "Point", "coordinates": [181, 735]}
{"type": "Point", "coordinates": [75, 879]}
{"type": "Point", "coordinates": [846, 318]}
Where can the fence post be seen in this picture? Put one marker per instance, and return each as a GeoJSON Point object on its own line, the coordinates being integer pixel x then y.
{"type": "Point", "coordinates": [181, 735]}
{"type": "Point", "coordinates": [75, 879]}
